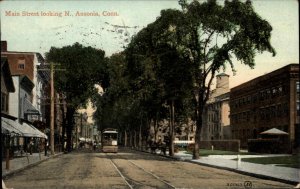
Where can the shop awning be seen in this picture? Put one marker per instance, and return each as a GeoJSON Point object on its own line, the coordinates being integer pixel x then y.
{"type": "Point", "coordinates": [12, 127]}
{"type": "Point", "coordinates": [8, 128]}
{"type": "Point", "coordinates": [85, 139]}
{"type": "Point", "coordinates": [29, 130]}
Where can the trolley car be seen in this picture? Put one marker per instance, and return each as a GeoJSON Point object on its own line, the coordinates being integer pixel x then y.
{"type": "Point", "coordinates": [109, 140]}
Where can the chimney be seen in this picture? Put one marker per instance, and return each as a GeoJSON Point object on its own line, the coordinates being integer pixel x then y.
{"type": "Point", "coordinates": [3, 46]}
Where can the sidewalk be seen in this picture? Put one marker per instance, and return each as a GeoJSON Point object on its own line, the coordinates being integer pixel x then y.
{"type": "Point", "coordinates": [20, 163]}
{"type": "Point", "coordinates": [283, 174]}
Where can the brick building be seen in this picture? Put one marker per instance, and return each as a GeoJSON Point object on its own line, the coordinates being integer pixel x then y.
{"type": "Point", "coordinates": [28, 64]}
{"type": "Point", "coordinates": [268, 101]}
{"type": "Point", "coordinates": [31, 71]}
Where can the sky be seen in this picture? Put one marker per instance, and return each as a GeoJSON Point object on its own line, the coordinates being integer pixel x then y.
{"type": "Point", "coordinates": [35, 26]}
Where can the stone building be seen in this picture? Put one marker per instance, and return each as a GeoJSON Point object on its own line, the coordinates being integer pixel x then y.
{"type": "Point", "coordinates": [216, 122]}
{"type": "Point", "coordinates": [268, 101]}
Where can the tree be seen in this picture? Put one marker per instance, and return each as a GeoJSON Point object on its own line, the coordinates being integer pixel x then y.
{"type": "Point", "coordinates": [209, 37]}
{"type": "Point", "coordinates": [158, 75]}
{"type": "Point", "coordinates": [84, 67]}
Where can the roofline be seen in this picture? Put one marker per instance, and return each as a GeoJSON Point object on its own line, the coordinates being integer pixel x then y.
{"type": "Point", "coordinates": [264, 75]}
{"type": "Point", "coordinates": [223, 74]}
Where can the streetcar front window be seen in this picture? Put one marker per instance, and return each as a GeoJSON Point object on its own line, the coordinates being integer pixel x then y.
{"type": "Point", "coordinates": [110, 136]}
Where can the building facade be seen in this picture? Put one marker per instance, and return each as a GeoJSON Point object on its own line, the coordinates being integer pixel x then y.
{"type": "Point", "coordinates": [20, 101]}
{"type": "Point", "coordinates": [269, 101]}
{"type": "Point", "coordinates": [216, 122]}
{"type": "Point", "coordinates": [30, 64]}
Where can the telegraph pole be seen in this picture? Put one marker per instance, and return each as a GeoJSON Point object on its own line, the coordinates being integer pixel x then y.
{"type": "Point", "coordinates": [52, 108]}
{"type": "Point", "coordinates": [52, 99]}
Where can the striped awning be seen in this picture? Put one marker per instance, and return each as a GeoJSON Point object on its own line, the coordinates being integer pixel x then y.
{"type": "Point", "coordinates": [30, 131]}
{"type": "Point", "coordinates": [8, 127]}
{"type": "Point", "coordinates": [14, 127]}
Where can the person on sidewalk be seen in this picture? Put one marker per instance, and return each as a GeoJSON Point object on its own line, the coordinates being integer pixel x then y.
{"type": "Point", "coordinates": [31, 146]}
{"type": "Point", "coordinates": [94, 145]}
{"type": "Point", "coordinates": [46, 146]}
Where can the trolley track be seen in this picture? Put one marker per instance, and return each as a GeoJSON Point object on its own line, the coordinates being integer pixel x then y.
{"type": "Point", "coordinates": [124, 178]}
{"type": "Point", "coordinates": [136, 181]}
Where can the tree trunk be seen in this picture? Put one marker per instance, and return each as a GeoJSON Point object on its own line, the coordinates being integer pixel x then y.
{"type": "Point", "coordinates": [197, 138]}
{"type": "Point", "coordinates": [140, 135]}
{"type": "Point", "coordinates": [155, 128]}
{"type": "Point", "coordinates": [134, 139]}
{"type": "Point", "coordinates": [199, 111]}
{"type": "Point", "coordinates": [70, 113]}
{"type": "Point", "coordinates": [172, 121]}
{"type": "Point", "coordinates": [64, 124]}
{"type": "Point", "coordinates": [130, 139]}
{"type": "Point", "coordinates": [125, 138]}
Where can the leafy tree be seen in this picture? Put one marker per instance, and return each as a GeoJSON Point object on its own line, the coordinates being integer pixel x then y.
{"type": "Point", "coordinates": [84, 67]}
{"type": "Point", "coordinates": [209, 37]}
{"type": "Point", "coordinates": [158, 75]}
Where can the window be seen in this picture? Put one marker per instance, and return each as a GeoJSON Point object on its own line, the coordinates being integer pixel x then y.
{"type": "Point", "coordinates": [298, 86]}
{"type": "Point", "coordinates": [21, 64]}
{"type": "Point", "coordinates": [254, 98]}
{"type": "Point", "coordinates": [262, 95]}
{"type": "Point", "coordinates": [274, 91]}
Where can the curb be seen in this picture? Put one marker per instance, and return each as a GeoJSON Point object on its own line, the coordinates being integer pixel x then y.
{"type": "Point", "coordinates": [5, 175]}
{"type": "Point", "coordinates": [266, 177]}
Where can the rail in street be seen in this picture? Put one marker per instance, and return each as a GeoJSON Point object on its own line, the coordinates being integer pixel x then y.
{"type": "Point", "coordinates": [128, 169]}
{"type": "Point", "coordinates": [136, 181]}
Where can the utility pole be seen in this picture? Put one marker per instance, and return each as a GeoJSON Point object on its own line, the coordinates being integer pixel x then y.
{"type": "Point", "coordinates": [52, 99]}
{"type": "Point", "coordinates": [52, 108]}
{"type": "Point", "coordinates": [172, 122]}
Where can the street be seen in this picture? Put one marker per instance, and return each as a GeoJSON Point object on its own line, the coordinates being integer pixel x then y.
{"type": "Point", "coordinates": [129, 169]}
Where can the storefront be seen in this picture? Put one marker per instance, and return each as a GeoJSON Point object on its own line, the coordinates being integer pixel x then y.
{"type": "Point", "coordinates": [17, 135]}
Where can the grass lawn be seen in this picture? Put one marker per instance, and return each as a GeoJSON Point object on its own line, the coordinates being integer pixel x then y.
{"type": "Point", "coordinates": [284, 161]}
{"type": "Point", "coordinates": [205, 152]}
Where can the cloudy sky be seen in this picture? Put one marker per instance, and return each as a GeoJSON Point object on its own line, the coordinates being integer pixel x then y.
{"type": "Point", "coordinates": [35, 26]}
